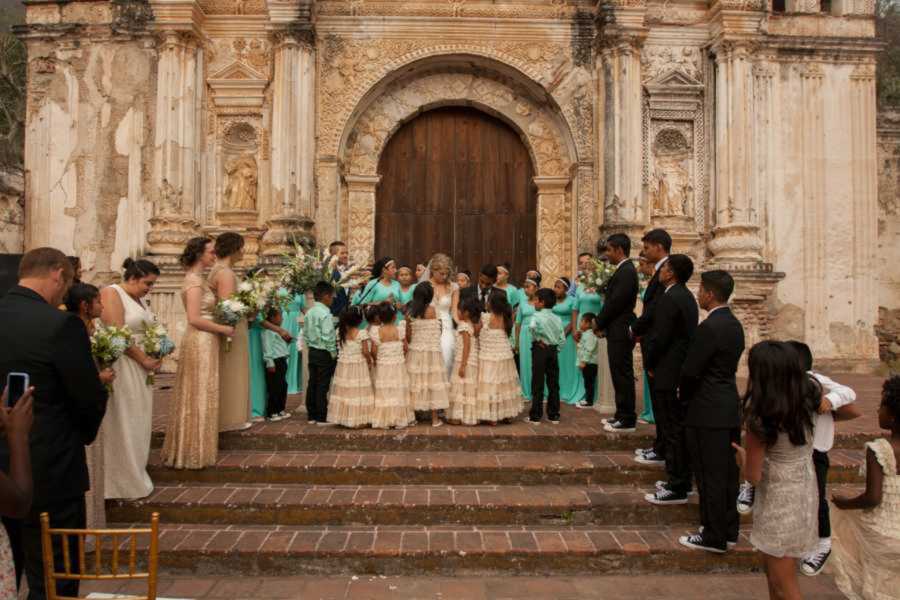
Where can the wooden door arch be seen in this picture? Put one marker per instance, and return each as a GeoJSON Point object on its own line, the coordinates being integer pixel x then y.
{"type": "Point", "coordinates": [459, 181]}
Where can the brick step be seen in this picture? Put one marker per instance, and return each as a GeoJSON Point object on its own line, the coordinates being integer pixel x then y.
{"type": "Point", "coordinates": [442, 468]}
{"type": "Point", "coordinates": [579, 430]}
{"type": "Point", "coordinates": [250, 504]}
{"type": "Point", "coordinates": [204, 550]}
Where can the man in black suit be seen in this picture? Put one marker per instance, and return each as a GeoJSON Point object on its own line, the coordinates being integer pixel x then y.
{"type": "Point", "coordinates": [657, 245]}
{"type": "Point", "coordinates": [482, 290]}
{"type": "Point", "coordinates": [674, 323]}
{"type": "Point", "coordinates": [53, 347]}
{"type": "Point", "coordinates": [709, 390]}
{"type": "Point", "coordinates": [341, 297]}
{"type": "Point", "coordinates": [613, 321]}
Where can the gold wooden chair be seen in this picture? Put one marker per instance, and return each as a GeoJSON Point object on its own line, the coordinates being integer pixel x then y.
{"type": "Point", "coordinates": [123, 540]}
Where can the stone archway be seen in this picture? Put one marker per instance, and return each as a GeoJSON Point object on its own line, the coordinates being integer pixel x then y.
{"type": "Point", "coordinates": [479, 84]}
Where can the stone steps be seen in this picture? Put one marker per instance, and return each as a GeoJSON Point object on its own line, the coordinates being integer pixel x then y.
{"type": "Point", "coordinates": [443, 468]}
{"type": "Point", "coordinates": [205, 549]}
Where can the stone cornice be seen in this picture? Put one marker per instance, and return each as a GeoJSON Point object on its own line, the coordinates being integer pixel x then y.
{"type": "Point", "coordinates": [178, 15]}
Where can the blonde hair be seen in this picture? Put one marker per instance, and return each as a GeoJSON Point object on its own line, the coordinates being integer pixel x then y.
{"type": "Point", "coordinates": [441, 262]}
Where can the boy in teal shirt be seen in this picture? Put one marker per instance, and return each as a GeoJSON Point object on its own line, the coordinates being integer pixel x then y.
{"type": "Point", "coordinates": [275, 356]}
{"type": "Point", "coordinates": [587, 358]}
{"type": "Point", "coordinates": [548, 336]}
{"type": "Point", "coordinates": [321, 340]}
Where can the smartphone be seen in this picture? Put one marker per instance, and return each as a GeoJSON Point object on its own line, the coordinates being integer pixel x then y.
{"type": "Point", "coordinates": [16, 384]}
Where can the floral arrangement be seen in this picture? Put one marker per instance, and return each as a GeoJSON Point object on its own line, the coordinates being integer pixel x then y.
{"type": "Point", "coordinates": [156, 343]}
{"type": "Point", "coordinates": [108, 344]}
{"type": "Point", "coordinates": [229, 312]}
{"type": "Point", "coordinates": [305, 268]}
{"type": "Point", "coordinates": [596, 279]}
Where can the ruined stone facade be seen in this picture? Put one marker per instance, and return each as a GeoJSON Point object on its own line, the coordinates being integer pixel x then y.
{"type": "Point", "coordinates": [749, 134]}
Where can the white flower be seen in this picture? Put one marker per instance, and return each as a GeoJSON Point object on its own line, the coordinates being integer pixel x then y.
{"type": "Point", "coordinates": [245, 286]}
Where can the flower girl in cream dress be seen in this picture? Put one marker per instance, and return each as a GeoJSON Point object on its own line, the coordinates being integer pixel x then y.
{"type": "Point", "coordinates": [428, 385]}
{"type": "Point", "coordinates": [499, 392]}
{"type": "Point", "coordinates": [464, 377]}
{"type": "Point", "coordinates": [393, 407]}
{"type": "Point", "coordinates": [351, 400]}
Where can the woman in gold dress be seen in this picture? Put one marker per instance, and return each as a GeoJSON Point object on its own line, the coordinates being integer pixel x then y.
{"type": "Point", "coordinates": [192, 434]}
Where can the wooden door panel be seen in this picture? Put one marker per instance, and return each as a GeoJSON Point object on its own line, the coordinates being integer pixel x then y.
{"type": "Point", "coordinates": [458, 181]}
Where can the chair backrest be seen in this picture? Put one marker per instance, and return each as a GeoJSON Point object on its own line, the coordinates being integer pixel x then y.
{"type": "Point", "coordinates": [124, 541]}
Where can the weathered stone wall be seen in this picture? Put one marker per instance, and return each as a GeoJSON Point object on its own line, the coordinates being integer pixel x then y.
{"type": "Point", "coordinates": [91, 95]}
{"type": "Point", "coordinates": [12, 213]}
{"type": "Point", "coordinates": [888, 254]}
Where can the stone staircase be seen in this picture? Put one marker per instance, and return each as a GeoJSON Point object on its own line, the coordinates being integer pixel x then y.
{"type": "Point", "coordinates": [290, 498]}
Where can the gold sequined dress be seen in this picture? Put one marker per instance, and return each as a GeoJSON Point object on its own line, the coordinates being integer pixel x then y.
{"type": "Point", "coordinates": [234, 374]}
{"type": "Point", "coordinates": [192, 434]}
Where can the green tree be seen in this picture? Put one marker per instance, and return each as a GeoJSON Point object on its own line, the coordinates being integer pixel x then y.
{"type": "Point", "coordinates": [12, 101]}
{"type": "Point", "coordinates": [887, 24]}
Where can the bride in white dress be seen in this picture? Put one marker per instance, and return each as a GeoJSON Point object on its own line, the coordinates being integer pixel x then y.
{"type": "Point", "coordinates": [446, 295]}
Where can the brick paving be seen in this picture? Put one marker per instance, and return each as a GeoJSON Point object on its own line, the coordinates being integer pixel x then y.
{"type": "Point", "coordinates": [365, 587]}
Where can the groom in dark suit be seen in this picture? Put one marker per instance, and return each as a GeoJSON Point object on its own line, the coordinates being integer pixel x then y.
{"type": "Point", "coordinates": [675, 321]}
{"type": "Point", "coordinates": [713, 421]}
{"type": "Point", "coordinates": [614, 321]}
{"type": "Point", "coordinates": [483, 288]}
{"type": "Point", "coordinates": [53, 347]}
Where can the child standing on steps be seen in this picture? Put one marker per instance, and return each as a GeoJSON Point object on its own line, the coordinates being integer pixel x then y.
{"type": "Point", "coordinates": [499, 397]}
{"type": "Point", "coordinates": [548, 336]}
{"type": "Point", "coordinates": [320, 337]}
{"type": "Point", "coordinates": [393, 407]}
{"type": "Point", "coordinates": [351, 401]}
{"type": "Point", "coordinates": [464, 378]}
{"type": "Point", "coordinates": [275, 354]}
{"type": "Point", "coordinates": [428, 386]}
{"type": "Point", "coordinates": [587, 358]}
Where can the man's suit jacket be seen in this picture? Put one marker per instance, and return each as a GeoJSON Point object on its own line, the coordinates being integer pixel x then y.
{"type": "Point", "coordinates": [53, 347]}
{"type": "Point", "coordinates": [618, 303]}
{"type": "Point", "coordinates": [674, 324]}
{"type": "Point", "coordinates": [341, 300]}
{"type": "Point", "coordinates": [654, 290]}
{"type": "Point", "coordinates": [473, 290]}
{"type": "Point", "coordinates": [708, 385]}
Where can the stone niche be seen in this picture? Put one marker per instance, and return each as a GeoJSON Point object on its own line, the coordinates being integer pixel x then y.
{"type": "Point", "coordinates": [239, 201]}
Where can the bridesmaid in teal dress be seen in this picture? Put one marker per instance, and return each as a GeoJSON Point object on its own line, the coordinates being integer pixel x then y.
{"type": "Point", "coordinates": [513, 294]}
{"type": "Point", "coordinates": [523, 318]}
{"type": "Point", "coordinates": [405, 278]}
{"type": "Point", "coordinates": [571, 383]}
{"type": "Point", "coordinates": [646, 269]}
{"type": "Point", "coordinates": [257, 371]}
{"type": "Point", "coordinates": [290, 316]}
{"type": "Point", "coordinates": [585, 302]}
{"type": "Point", "coordinates": [383, 285]}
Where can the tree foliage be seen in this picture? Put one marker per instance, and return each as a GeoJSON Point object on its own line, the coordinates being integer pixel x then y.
{"type": "Point", "coordinates": [887, 23]}
{"type": "Point", "coordinates": [13, 63]}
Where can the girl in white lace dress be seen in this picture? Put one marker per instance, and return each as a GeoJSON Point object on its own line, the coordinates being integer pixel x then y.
{"type": "Point", "coordinates": [499, 394]}
{"type": "Point", "coordinates": [865, 558]}
{"type": "Point", "coordinates": [464, 377]}
{"type": "Point", "coordinates": [429, 389]}
{"type": "Point", "coordinates": [351, 400]}
{"type": "Point", "coordinates": [393, 407]}
{"type": "Point", "coordinates": [779, 407]}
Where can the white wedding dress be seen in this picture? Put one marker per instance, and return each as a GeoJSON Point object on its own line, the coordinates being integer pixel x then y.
{"type": "Point", "coordinates": [448, 336]}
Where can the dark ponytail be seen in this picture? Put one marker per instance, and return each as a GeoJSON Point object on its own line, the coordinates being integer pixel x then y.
{"type": "Point", "coordinates": [193, 251]}
{"type": "Point", "coordinates": [351, 318]}
{"type": "Point", "coordinates": [499, 305]}
{"type": "Point", "coordinates": [138, 269]}
{"type": "Point", "coordinates": [422, 297]}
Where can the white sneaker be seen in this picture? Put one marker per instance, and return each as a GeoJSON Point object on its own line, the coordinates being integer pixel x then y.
{"type": "Point", "coordinates": [286, 414]}
{"type": "Point", "coordinates": [813, 563]}
{"type": "Point", "coordinates": [530, 422]}
{"type": "Point", "coordinates": [746, 496]}
{"type": "Point", "coordinates": [276, 417]}
{"type": "Point", "coordinates": [257, 419]}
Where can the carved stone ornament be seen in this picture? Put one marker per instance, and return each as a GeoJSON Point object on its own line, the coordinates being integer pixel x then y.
{"type": "Point", "coordinates": [672, 189]}
{"type": "Point", "coordinates": [170, 200]}
{"type": "Point", "coordinates": [240, 193]}
{"type": "Point", "coordinates": [131, 15]}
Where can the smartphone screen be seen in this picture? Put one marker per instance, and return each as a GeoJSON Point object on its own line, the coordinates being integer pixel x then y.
{"type": "Point", "coordinates": [16, 383]}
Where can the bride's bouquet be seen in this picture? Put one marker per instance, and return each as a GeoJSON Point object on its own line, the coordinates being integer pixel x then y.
{"type": "Point", "coordinates": [229, 312]}
{"type": "Point", "coordinates": [596, 279]}
{"type": "Point", "coordinates": [108, 344]}
{"type": "Point", "coordinates": [156, 344]}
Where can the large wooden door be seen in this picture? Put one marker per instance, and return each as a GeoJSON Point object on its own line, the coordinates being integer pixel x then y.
{"type": "Point", "coordinates": [458, 181]}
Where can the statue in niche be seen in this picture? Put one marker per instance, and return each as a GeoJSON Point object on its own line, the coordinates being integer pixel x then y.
{"type": "Point", "coordinates": [240, 193]}
{"type": "Point", "coordinates": [169, 199]}
{"type": "Point", "coordinates": [671, 193]}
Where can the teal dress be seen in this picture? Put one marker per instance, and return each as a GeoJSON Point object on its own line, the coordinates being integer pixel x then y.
{"type": "Point", "coordinates": [295, 361]}
{"type": "Point", "coordinates": [406, 297]}
{"type": "Point", "coordinates": [587, 302]}
{"type": "Point", "coordinates": [571, 383]}
{"type": "Point", "coordinates": [513, 296]}
{"type": "Point", "coordinates": [647, 412]}
{"type": "Point", "coordinates": [523, 319]}
{"type": "Point", "coordinates": [376, 292]}
{"type": "Point", "coordinates": [257, 369]}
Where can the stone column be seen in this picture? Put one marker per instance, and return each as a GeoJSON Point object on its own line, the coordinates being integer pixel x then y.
{"type": "Point", "coordinates": [178, 143]}
{"type": "Point", "coordinates": [361, 218]}
{"type": "Point", "coordinates": [736, 243]}
{"type": "Point", "coordinates": [556, 254]}
{"type": "Point", "coordinates": [293, 141]}
{"type": "Point", "coordinates": [621, 100]}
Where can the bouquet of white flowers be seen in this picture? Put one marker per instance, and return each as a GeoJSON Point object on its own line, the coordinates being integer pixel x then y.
{"type": "Point", "coordinates": [109, 343]}
{"type": "Point", "coordinates": [596, 279]}
{"type": "Point", "coordinates": [156, 344]}
{"type": "Point", "coordinates": [229, 312]}
{"type": "Point", "coordinates": [305, 268]}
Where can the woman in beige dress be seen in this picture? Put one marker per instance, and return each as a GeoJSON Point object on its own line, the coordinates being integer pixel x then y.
{"type": "Point", "coordinates": [129, 417]}
{"type": "Point", "coordinates": [234, 375]}
{"type": "Point", "coordinates": [192, 433]}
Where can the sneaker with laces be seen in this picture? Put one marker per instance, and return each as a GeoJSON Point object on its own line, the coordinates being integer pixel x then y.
{"type": "Point", "coordinates": [618, 427]}
{"type": "Point", "coordinates": [730, 543]}
{"type": "Point", "coordinates": [664, 485]}
{"type": "Point", "coordinates": [530, 422]}
{"type": "Point", "coordinates": [608, 420]}
{"type": "Point", "coordinates": [695, 541]}
{"type": "Point", "coordinates": [665, 497]}
{"type": "Point", "coordinates": [650, 458]}
{"type": "Point", "coordinates": [813, 564]}
{"type": "Point", "coordinates": [746, 495]}
{"type": "Point", "coordinates": [640, 451]}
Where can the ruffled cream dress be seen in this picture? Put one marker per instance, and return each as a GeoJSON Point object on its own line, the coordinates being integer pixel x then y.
{"type": "Point", "coordinates": [393, 407]}
{"type": "Point", "coordinates": [499, 393]}
{"type": "Point", "coordinates": [865, 555]}
{"type": "Point", "coordinates": [351, 400]}
{"type": "Point", "coordinates": [464, 392]}
{"type": "Point", "coordinates": [428, 385]}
